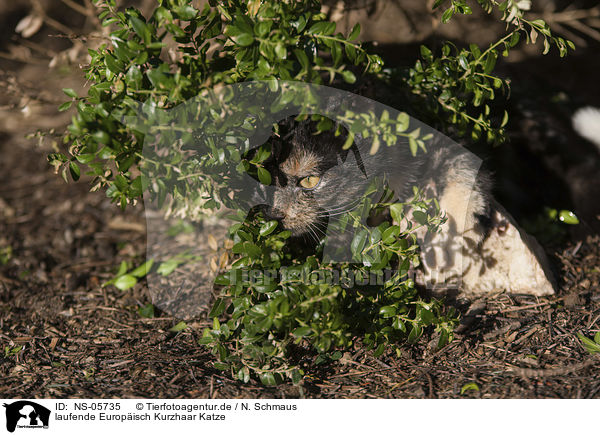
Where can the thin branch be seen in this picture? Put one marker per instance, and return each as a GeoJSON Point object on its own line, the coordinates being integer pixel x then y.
{"type": "Point", "coordinates": [50, 21]}
{"type": "Point", "coordinates": [592, 33]}
{"type": "Point", "coordinates": [44, 51]}
{"type": "Point", "coordinates": [573, 15]}
{"type": "Point", "coordinates": [33, 61]}
{"type": "Point", "coordinates": [77, 7]}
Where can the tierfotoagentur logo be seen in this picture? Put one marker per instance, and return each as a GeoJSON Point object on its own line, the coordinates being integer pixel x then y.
{"type": "Point", "coordinates": [216, 161]}
{"type": "Point", "coordinates": [25, 414]}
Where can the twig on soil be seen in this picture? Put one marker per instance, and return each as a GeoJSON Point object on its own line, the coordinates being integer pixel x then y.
{"type": "Point", "coordinates": [558, 371]}
{"type": "Point", "coordinates": [8, 280]}
{"type": "Point", "coordinates": [527, 307]}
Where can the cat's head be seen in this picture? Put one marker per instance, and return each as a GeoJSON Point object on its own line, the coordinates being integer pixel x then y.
{"type": "Point", "coordinates": [312, 178]}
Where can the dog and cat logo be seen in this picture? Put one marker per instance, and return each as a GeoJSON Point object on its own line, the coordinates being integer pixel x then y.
{"type": "Point", "coordinates": [25, 414]}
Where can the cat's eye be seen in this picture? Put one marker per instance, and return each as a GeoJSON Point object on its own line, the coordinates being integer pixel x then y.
{"type": "Point", "coordinates": [310, 182]}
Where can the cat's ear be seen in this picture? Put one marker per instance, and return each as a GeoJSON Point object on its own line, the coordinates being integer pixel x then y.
{"type": "Point", "coordinates": [353, 151]}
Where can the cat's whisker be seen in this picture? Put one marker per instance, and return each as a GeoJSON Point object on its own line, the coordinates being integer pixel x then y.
{"type": "Point", "coordinates": [333, 210]}
{"type": "Point", "coordinates": [343, 206]}
{"type": "Point", "coordinates": [329, 214]}
{"type": "Point", "coordinates": [312, 233]}
{"type": "Point", "coordinates": [317, 229]}
{"type": "Point", "coordinates": [350, 204]}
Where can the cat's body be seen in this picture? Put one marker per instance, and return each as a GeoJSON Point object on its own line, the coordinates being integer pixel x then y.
{"type": "Point", "coordinates": [479, 249]}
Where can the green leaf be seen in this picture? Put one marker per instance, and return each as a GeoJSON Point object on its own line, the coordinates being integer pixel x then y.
{"type": "Point", "coordinates": [267, 228]}
{"type": "Point", "coordinates": [113, 64]}
{"type": "Point", "coordinates": [244, 375]}
{"type": "Point", "coordinates": [268, 378]}
{"type": "Point", "coordinates": [444, 339]}
{"type": "Point", "coordinates": [403, 122]}
{"type": "Point", "coordinates": [399, 324]}
{"type": "Point", "coordinates": [142, 270]}
{"type": "Point", "coordinates": [186, 12]}
{"type": "Point", "coordinates": [101, 137]}
{"type": "Point", "coordinates": [358, 242]}
{"type": "Point", "coordinates": [354, 32]}
{"type": "Point", "coordinates": [322, 28]}
{"type": "Point", "coordinates": [244, 39]}
{"type": "Point", "coordinates": [74, 170]}
{"type": "Point", "coordinates": [167, 267]}
{"type": "Point", "coordinates": [280, 51]}
{"type": "Point", "coordinates": [425, 52]}
{"type": "Point", "coordinates": [181, 326]}
{"type": "Point", "coordinates": [427, 317]}
{"type": "Point", "coordinates": [396, 212]}
{"type": "Point", "coordinates": [514, 39]}
{"type": "Point", "coordinates": [125, 282]}
{"type": "Point", "coordinates": [146, 311]}
{"type": "Point", "coordinates": [420, 217]}
{"type": "Point", "coordinates": [387, 311]}
{"type": "Point", "coordinates": [348, 76]}
{"type": "Point", "coordinates": [65, 106]}
{"type": "Point", "coordinates": [415, 333]}
{"type": "Point", "coordinates": [568, 217]}
{"type": "Point", "coordinates": [85, 158]}
{"type": "Point", "coordinates": [447, 15]}
{"type": "Point", "coordinates": [141, 29]}
{"type": "Point", "coordinates": [538, 24]}
{"type": "Point", "coordinates": [490, 62]}
{"type": "Point", "coordinates": [302, 331]}
{"type": "Point", "coordinates": [504, 119]}
{"type": "Point", "coordinates": [413, 145]}
{"type": "Point", "coordinates": [218, 308]}
{"type": "Point", "coordinates": [469, 386]}
{"type": "Point", "coordinates": [379, 351]}
{"type": "Point", "coordinates": [349, 141]}
{"type": "Point", "coordinates": [220, 365]}
{"type": "Point", "coordinates": [70, 92]}
{"type": "Point", "coordinates": [122, 268]}
{"type": "Point", "coordinates": [264, 176]}
{"type": "Point", "coordinates": [390, 234]}
{"type": "Point", "coordinates": [302, 59]}
{"type": "Point", "coordinates": [222, 280]}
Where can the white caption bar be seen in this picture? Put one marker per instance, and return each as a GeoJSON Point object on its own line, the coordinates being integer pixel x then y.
{"type": "Point", "coordinates": [307, 417]}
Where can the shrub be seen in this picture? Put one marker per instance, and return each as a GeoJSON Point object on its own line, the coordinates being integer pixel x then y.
{"type": "Point", "coordinates": [180, 52]}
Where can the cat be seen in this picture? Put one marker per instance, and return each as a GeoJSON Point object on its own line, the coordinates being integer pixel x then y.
{"type": "Point", "coordinates": [314, 180]}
